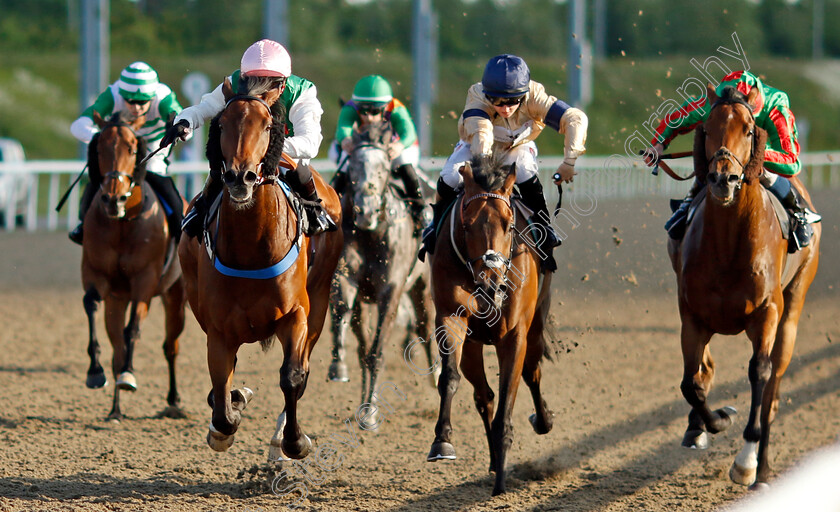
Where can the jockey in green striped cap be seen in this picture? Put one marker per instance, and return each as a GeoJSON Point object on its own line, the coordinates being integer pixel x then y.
{"type": "Point", "coordinates": [137, 93]}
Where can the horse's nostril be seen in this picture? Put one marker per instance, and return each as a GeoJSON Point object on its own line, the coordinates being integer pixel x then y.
{"type": "Point", "coordinates": [250, 177]}
{"type": "Point", "coordinates": [230, 177]}
{"type": "Point", "coordinates": [732, 178]}
{"type": "Point", "coordinates": [503, 289]}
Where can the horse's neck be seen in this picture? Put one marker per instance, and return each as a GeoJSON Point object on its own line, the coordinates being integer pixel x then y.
{"type": "Point", "coordinates": [730, 228]}
{"type": "Point", "coordinates": [261, 233]}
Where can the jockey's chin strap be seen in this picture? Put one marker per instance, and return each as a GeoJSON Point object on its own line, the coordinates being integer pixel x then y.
{"type": "Point", "coordinates": [725, 153]}
{"type": "Point", "coordinates": [492, 259]}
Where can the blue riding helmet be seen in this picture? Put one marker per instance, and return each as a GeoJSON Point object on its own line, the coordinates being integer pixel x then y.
{"type": "Point", "coordinates": [506, 76]}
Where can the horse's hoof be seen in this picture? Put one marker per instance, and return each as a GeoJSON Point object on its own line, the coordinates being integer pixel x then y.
{"type": "Point", "coordinates": [275, 453]}
{"type": "Point", "coordinates": [540, 428]}
{"type": "Point", "coordinates": [338, 372]}
{"type": "Point", "coordinates": [724, 419]}
{"type": "Point", "coordinates": [759, 486]}
{"type": "Point", "coordinates": [127, 382]}
{"type": "Point", "coordinates": [696, 439]}
{"type": "Point", "coordinates": [441, 451]}
{"type": "Point", "coordinates": [498, 490]}
{"type": "Point", "coordinates": [297, 450]}
{"type": "Point", "coordinates": [743, 476]}
{"type": "Point", "coordinates": [218, 441]}
{"type": "Point", "coordinates": [96, 380]}
{"type": "Point", "coordinates": [242, 396]}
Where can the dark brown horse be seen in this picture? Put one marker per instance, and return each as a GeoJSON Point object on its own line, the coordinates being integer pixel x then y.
{"type": "Point", "coordinates": [128, 257]}
{"type": "Point", "coordinates": [734, 274]}
{"type": "Point", "coordinates": [249, 279]}
{"type": "Point", "coordinates": [378, 264]}
{"type": "Point", "coordinates": [486, 291]}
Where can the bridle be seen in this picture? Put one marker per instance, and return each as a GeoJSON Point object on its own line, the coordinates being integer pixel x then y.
{"type": "Point", "coordinates": [724, 153]}
{"type": "Point", "coordinates": [492, 259]}
{"type": "Point", "coordinates": [247, 97]}
{"type": "Point", "coordinates": [116, 174]}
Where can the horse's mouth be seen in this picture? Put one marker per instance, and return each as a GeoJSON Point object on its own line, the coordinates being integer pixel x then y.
{"type": "Point", "coordinates": [241, 196]}
{"type": "Point", "coordinates": [725, 195]}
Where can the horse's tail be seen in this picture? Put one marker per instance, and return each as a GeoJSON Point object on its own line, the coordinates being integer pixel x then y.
{"type": "Point", "coordinates": [267, 343]}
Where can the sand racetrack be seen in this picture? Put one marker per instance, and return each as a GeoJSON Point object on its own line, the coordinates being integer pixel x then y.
{"type": "Point", "coordinates": [619, 412]}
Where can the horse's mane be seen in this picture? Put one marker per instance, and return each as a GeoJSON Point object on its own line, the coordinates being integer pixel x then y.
{"type": "Point", "coordinates": [117, 119]}
{"type": "Point", "coordinates": [271, 161]}
{"type": "Point", "coordinates": [754, 167]}
{"type": "Point", "coordinates": [489, 173]}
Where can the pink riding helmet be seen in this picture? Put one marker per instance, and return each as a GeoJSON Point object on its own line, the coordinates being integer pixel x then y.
{"type": "Point", "coordinates": [266, 58]}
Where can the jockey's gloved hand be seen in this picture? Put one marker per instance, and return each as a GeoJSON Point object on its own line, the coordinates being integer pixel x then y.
{"type": "Point", "coordinates": [652, 154]}
{"type": "Point", "coordinates": [395, 149]}
{"type": "Point", "coordinates": [566, 172]}
{"type": "Point", "coordinates": [180, 130]}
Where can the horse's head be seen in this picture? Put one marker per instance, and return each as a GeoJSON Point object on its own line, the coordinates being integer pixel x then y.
{"type": "Point", "coordinates": [487, 219]}
{"type": "Point", "coordinates": [117, 153]}
{"type": "Point", "coordinates": [250, 138]}
{"type": "Point", "coordinates": [729, 148]}
{"type": "Point", "coordinates": [369, 172]}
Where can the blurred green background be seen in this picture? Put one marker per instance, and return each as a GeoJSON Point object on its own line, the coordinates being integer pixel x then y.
{"type": "Point", "coordinates": [647, 49]}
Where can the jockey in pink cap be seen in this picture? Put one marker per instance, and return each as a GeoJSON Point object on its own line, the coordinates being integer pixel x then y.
{"type": "Point", "coordinates": [267, 63]}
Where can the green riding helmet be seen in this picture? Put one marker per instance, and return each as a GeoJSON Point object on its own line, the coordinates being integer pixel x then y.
{"type": "Point", "coordinates": [372, 89]}
{"type": "Point", "coordinates": [138, 82]}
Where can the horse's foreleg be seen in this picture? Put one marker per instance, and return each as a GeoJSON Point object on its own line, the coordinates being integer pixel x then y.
{"type": "Point", "coordinates": [95, 374]}
{"type": "Point", "coordinates": [472, 365]}
{"type": "Point", "coordinates": [511, 351]}
{"type": "Point", "coordinates": [449, 337]}
{"type": "Point", "coordinates": [173, 301]}
{"type": "Point", "coordinates": [138, 311]}
{"type": "Point", "coordinates": [359, 324]}
{"type": "Point", "coordinates": [221, 360]}
{"type": "Point", "coordinates": [114, 325]}
{"type": "Point", "coordinates": [542, 419]}
{"type": "Point", "coordinates": [343, 299]}
{"type": "Point", "coordinates": [698, 374]}
{"type": "Point", "coordinates": [293, 375]}
{"type": "Point", "coordinates": [388, 300]}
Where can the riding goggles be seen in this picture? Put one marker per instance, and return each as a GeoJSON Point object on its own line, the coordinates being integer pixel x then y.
{"type": "Point", "coordinates": [505, 102]}
{"type": "Point", "coordinates": [371, 110]}
{"type": "Point", "coordinates": [137, 102]}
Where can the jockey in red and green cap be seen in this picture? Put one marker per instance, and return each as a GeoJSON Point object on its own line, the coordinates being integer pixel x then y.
{"type": "Point", "coordinates": [781, 156]}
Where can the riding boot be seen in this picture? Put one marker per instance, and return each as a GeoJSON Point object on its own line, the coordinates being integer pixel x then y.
{"type": "Point", "coordinates": [446, 195]}
{"type": "Point", "coordinates": [408, 175]}
{"type": "Point", "coordinates": [532, 196]}
{"type": "Point", "coordinates": [302, 182]}
{"type": "Point", "coordinates": [675, 226]}
{"type": "Point", "coordinates": [77, 235]}
{"type": "Point", "coordinates": [193, 223]}
{"type": "Point", "coordinates": [164, 187]}
{"type": "Point", "coordinates": [801, 217]}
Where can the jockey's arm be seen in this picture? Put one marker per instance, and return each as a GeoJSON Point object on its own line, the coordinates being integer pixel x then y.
{"type": "Point", "coordinates": [403, 126]}
{"type": "Point", "coordinates": [781, 155]}
{"type": "Point", "coordinates": [210, 105]}
{"type": "Point", "coordinates": [305, 117]}
{"type": "Point", "coordinates": [84, 128]}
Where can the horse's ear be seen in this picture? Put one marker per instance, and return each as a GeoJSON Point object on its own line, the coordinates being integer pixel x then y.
{"type": "Point", "coordinates": [227, 89]}
{"type": "Point", "coordinates": [711, 94]}
{"type": "Point", "coordinates": [138, 123]}
{"type": "Point", "coordinates": [752, 97]}
{"type": "Point", "coordinates": [701, 163]}
{"type": "Point", "coordinates": [466, 172]}
{"type": "Point", "coordinates": [510, 180]}
{"type": "Point", "coordinates": [755, 166]}
{"type": "Point", "coordinates": [98, 119]}
{"type": "Point", "coordinates": [270, 96]}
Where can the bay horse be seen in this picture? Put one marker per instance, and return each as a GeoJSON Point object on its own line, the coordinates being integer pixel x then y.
{"type": "Point", "coordinates": [128, 257]}
{"type": "Point", "coordinates": [251, 277]}
{"type": "Point", "coordinates": [378, 264]}
{"type": "Point", "coordinates": [734, 274]}
{"type": "Point", "coordinates": [486, 291]}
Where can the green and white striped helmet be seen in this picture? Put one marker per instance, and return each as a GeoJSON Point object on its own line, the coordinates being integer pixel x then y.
{"type": "Point", "coordinates": [138, 82]}
{"type": "Point", "coordinates": [372, 89]}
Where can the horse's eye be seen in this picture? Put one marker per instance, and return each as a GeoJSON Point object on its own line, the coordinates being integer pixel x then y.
{"type": "Point", "coordinates": [268, 128]}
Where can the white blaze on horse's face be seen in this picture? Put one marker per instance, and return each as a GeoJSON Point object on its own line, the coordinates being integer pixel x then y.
{"type": "Point", "coordinates": [245, 134]}
{"type": "Point", "coordinates": [369, 172]}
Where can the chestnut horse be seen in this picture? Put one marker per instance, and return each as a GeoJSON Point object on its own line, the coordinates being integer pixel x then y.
{"type": "Point", "coordinates": [486, 291]}
{"type": "Point", "coordinates": [128, 257]}
{"type": "Point", "coordinates": [249, 278]}
{"type": "Point", "coordinates": [378, 265]}
{"type": "Point", "coordinates": [734, 274]}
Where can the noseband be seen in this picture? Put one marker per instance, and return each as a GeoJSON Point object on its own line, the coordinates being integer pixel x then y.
{"type": "Point", "coordinates": [493, 259]}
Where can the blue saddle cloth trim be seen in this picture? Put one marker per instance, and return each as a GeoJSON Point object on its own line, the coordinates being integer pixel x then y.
{"type": "Point", "coordinates": [269, 272]}
{"type": "Point", "coordinates": [166, 208]}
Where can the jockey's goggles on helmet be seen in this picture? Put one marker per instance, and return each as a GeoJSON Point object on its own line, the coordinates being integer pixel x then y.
{"type": "Point", "coordinates": [370, 109]}
{"type": "Point", "coordinates": [505, 102]}
{"type": "Point", "coordinates": [137, 102]}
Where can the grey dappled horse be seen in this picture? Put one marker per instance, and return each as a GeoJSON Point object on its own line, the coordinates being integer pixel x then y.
{"type": "Point", "coordinates": [378, 265]}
